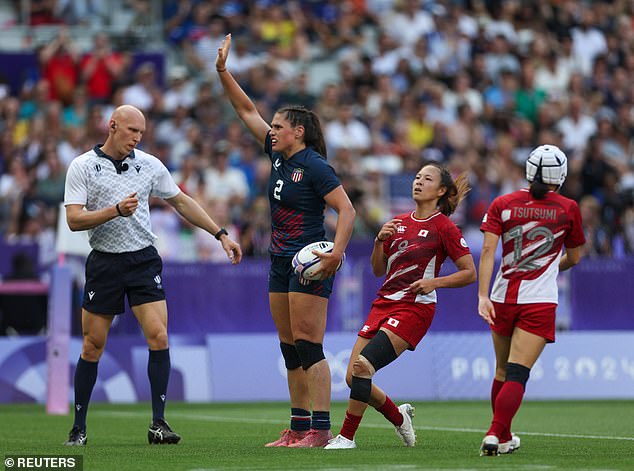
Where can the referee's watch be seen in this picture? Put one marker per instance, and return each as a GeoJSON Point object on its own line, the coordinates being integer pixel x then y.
{"type": "Point", "coordinates": [220, 233]}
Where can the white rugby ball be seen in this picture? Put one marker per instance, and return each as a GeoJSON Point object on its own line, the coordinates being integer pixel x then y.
{"type": "Point", "coordinates": [305, 263]}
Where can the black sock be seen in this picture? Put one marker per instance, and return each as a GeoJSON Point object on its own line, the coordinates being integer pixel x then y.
{"type": "Point", "coordinates": [300, 419]}
{"type": "Point", "coordinates": [85, 377]}
{"type": "Point", "coordinates": [158, 370]}
{"type": "Point", "coordinates": [321, 420]}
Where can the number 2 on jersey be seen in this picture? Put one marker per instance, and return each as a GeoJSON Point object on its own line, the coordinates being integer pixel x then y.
{"type": "Point", "coordinates": [278, 189]}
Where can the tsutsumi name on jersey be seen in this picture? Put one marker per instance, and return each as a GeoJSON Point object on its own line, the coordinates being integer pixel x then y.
{"type": "Point", "coordinates": [528, 212]}
{"type": "Point", "coordinates": [95, 181]}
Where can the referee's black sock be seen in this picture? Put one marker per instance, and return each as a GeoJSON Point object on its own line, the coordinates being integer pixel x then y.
{"type": "Point", "coordinates": [158, 370]}
{"type": "Point", "coordinates": [85, 377]}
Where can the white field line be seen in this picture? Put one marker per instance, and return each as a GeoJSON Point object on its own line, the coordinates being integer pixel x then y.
{"type": "Point", "coordinates": [253, 420]}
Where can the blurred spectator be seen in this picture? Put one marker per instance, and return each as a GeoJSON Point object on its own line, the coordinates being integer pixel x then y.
{"type": "Point", "coordinates": [499, 57]}
{"type": "Point", "coordinates": [76, 113]}
{"type": "Point", "coordinates": [465, 131]}
{"type": "Point", "coordinates": [588, 42]}
{"type": "Point", "coordinates": [553, 76]}
{"type": "Point", "coordinates": [499, 97]}
{"type": "Point", "coordinates": [177, 19]}
{"type": "Point", "coordinates": [408, 22]}
{"type": "Point", "coordinates": [206, 249]}
{"type": "Point", "coordinates": [42, 12]}
{"type": "Point", "coordinates": [597, 235]}
{"type": "Point", "coordinates": [82, 12]}
{"type": "Point", "coordinates": [255, 234]}
{"type": "Point", "coordinates": [59, 61]}
{"type": "Point", "coordinates": [71, 145]}
{"type": "Point", "coordinates": [144, 93]}
{"type": "Point", "coordinates": [181, 92]}
{"type": "Point", "coordinates": [50, 187]}
{"type": "Point", "coordinates": [576, 126]}
{"type": "Point", "coordinates": [528, 97]}
{"type": "Point", "coordinates": [222, 182]}
{"type": "Point", "coordinates": [462, 94]}
{"type": "Point", "coordinates": [243, 57]}
{"type": "Point", "coordinates": [297, 93]}
{"type": "Point", "coordinates": [174, 129]}
{"type": "Point", "coordinates": [203, 39]}
{"type": "Point", "coordinates": [347, 131]}
{"type": "Point", "coordinates": [14, 183]}
{"type": "Point", "coordinates": [101, 68]}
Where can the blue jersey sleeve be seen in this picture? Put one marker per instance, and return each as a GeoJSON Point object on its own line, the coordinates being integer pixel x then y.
{"type": "Point", "coordinates": [324, 178]}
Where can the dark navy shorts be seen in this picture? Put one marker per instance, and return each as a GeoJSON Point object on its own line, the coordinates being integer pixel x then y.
{"type": "Point", "coordinates": [112, 276]}
{"type": "Point", "coordinates": [283, 279]}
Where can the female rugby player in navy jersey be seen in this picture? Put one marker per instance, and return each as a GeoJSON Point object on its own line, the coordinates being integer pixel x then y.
{"type": "Point", "coordinates": [301, 184]}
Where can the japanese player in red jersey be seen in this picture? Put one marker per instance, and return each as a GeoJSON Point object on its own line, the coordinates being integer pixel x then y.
{"type": "Point", "coordinates": [534, 225]}
{"type": "Point", "coordinates": [409, 250]}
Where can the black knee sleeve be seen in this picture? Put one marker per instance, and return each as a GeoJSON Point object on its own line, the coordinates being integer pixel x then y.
{"type": "Point", "coordinates": [517, 373]}
{"type": "Point", "coordinates": [379, 351]}
{"type": "Point", "coordinates": [309, 353]}
{"type": "Point", "coordinates": [360, 389]}
{"type": "Point", "coordinates": [291, 358]}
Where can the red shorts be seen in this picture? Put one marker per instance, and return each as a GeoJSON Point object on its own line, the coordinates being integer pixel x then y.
{"type": "Point", "coordinates": [536, 318]}
{"type": "Point", "coordinates": [410, 321]}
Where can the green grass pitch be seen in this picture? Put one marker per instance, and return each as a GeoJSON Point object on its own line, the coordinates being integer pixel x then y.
{"type": "Point", "coordinates": [579, 435]}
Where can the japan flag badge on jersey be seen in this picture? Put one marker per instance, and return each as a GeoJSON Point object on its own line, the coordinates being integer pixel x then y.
{"type": "Point", "coordinates": [297, 175]}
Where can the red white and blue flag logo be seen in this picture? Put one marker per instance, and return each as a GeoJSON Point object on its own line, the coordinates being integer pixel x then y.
{"type": "Point", "coordinates": [297, 175]}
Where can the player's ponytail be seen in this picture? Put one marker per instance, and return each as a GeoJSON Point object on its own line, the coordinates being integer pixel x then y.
{"type": "Point", "coordinates": [313, 134]}
{"type": "Point", "coordinates": [456, 190]}
{"type": "Point", "coordinates": [538, 188]}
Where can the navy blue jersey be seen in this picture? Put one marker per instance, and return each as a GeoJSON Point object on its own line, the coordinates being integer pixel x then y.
{"type": "Point", "coordinates": [297, 187]}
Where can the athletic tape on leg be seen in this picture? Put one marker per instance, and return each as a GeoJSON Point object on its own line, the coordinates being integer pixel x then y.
{"type": "Point", "coordinates": [361, 389]}
{"type": "Point", "coordinates": [309, 353]}
{"type": "Point", "coordinates": [518, 373]}
{"type": "Point", "coordinates": [379, 351]}
{"type": "Point", "coordinates": [291, 357]}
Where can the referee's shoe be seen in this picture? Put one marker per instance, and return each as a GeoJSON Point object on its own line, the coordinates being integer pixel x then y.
{"type": "Point", "coordinates": [76, 437]}
{"type": "Point", "coordinates": [160, 433]}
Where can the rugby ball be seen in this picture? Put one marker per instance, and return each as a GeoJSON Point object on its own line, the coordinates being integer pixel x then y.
{"type": "Point", "coordinates": [305, 263]}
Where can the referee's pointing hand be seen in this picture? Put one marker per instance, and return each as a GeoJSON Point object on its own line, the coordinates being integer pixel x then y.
{"type": "Point", "coordinates": [128, 205]}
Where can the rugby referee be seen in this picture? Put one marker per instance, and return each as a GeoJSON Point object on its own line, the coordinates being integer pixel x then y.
{"type": "Point", "coordinates": [107, 193]}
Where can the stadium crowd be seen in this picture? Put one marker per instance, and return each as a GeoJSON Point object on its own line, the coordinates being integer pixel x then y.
{"type": "Point", "coordinates": [472, 84]}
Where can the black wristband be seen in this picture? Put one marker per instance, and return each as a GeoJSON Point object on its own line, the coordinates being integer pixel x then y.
{"type": "Point", "coordinates": [118, 210]}
{"type": "Point", "coordinates": [220, 233]}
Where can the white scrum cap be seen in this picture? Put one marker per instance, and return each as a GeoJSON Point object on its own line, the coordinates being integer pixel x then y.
{"type": "Point", "coordinates": [550, 161]}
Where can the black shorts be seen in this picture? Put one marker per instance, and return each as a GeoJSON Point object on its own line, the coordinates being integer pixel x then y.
{"type": "Point", "coordinates": [110, 276]}
{"type": "Point", "coordinates": [283, 279]}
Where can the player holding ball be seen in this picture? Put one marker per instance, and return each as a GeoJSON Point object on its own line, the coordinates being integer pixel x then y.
{"type": "Point", "coordinates": [301, 184]}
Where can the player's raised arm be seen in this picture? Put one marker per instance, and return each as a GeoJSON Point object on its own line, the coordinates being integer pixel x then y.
{"type": "Point", "coordinates": [240, 101]}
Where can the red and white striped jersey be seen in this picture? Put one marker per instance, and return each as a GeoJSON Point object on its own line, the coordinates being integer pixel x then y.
{"type": "Point", "coordinates": [533, 233]}
{"type": "Point", "coordinates": [417, 250]}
